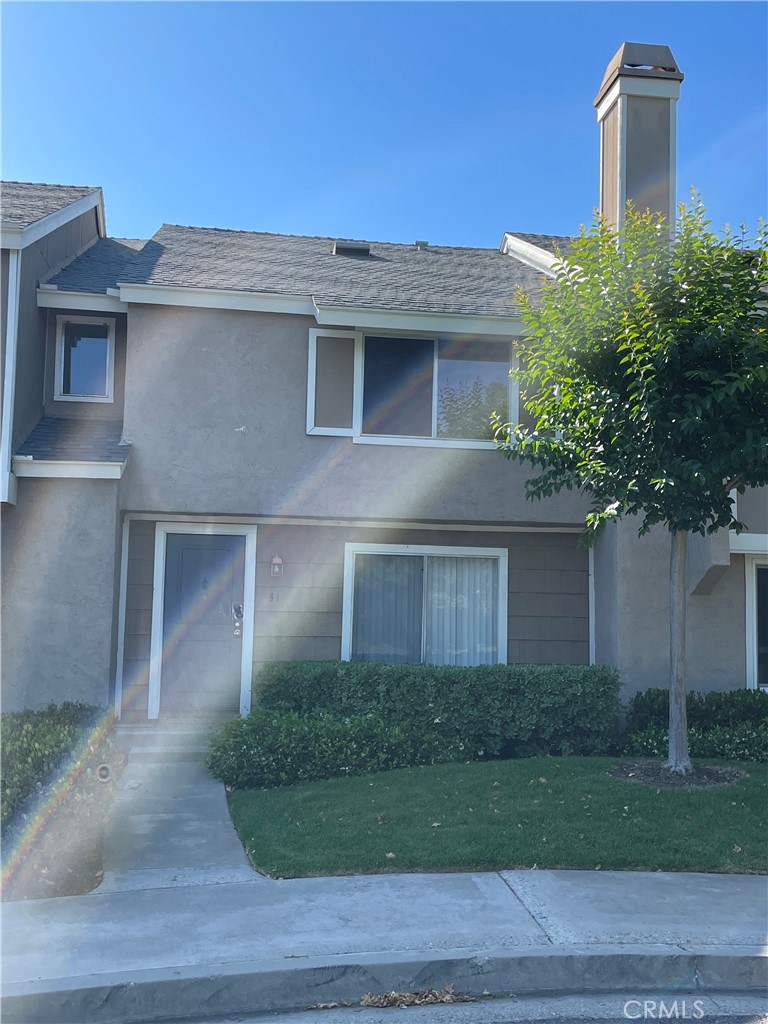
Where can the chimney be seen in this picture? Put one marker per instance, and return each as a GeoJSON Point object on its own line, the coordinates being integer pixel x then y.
{"type": "Point", "coordinates": [637, 114]}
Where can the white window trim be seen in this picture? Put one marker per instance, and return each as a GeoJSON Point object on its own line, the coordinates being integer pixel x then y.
{"type": "Point", "coordinates": [162, 529]}
{"type": "Point", "coordinates": [58, 393]}
{"type": "Point", "coordinates": [352, 550]}
{"type": "Point", "coordinates": [751, 562]}
{"type": "Point", "coordinates": [394, 440]}
{"type": "Point", "coordinates": [357, 338]}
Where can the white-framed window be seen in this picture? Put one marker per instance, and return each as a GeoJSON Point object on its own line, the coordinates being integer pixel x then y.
{"type": "Point", "coordinates": [402, 390]}
{"type": "Point", "coordinates": [756, 575]}
{"type": "Point", "coordinates": [85, 359]}
{"type": "Point", "coordinates": [415, 603]}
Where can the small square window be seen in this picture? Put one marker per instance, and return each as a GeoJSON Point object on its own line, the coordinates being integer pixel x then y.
{"type": "Point", "coordinates": [85, 360]}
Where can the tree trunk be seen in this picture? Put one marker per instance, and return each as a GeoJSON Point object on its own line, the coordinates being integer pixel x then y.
{"type": "Point", "coordinates": [679, 760]}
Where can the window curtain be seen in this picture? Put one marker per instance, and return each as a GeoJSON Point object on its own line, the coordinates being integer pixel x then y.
{"type": "Point", "coordinates": [387, 609]}
{"type": "Point", "coordinates": [462, 611]}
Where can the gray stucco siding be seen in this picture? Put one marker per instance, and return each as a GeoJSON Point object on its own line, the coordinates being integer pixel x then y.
{"type": "Point", "coordinates": [232, 388]}
{"type": "Point", "coordinates": [716, 640]}
{"type": "Point", "coordinates": [138, 616]}
{"type": "Point", "coordinates": [752, 509]}
{"type": "Point", "coordinates": [58, 548]}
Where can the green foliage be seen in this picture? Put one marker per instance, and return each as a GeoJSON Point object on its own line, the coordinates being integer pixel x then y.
{"type": "Point", "coordinates": [278, 748]}
{"type": "Point", "coordinates": [738, 742]}
{"type": "Point", "coordinates": [33, 745]}
{"type": "Point", "coordinates": [706, 711]}
{"type": "Point", "coordinates": [466, 409]}
{"type": "Point", "coordinates": [512, 710]}
{"type": "Point", "coordinates": [645, 363]}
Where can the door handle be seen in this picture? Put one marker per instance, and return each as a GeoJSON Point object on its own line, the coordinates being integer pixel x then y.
{"type": "Point", "coordinates": [237, 615]}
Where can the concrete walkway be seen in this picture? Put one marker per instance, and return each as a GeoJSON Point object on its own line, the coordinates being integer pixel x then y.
{"type": "Point", "coordinates": [183, 925]}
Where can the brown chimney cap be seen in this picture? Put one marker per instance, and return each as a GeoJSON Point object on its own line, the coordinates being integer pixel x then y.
{"type": "Point", "coordinates": [640, 60]}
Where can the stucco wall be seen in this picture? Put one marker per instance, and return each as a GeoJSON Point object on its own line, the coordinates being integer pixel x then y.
{"type": "Point", "coordinates": [216, 412]}
{"type": "Point", "coordinates": [58, 549]}
{"type": "Point", "coordinates": [716, 642]}
{"type": "Point", "coordinates": [38, 261]}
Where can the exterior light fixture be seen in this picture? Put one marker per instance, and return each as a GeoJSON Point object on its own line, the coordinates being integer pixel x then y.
{"type": "Point", "coordinates": [276, 565]}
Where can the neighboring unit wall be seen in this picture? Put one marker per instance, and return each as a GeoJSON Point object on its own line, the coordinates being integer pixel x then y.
{"type": "Point", "coordinates": [58, 553]}
{"type": "Point", "coordinates": [752, 509]}
{"type": "Point", "coordinates": [216, 412]}
{"type": "Point", "coordinates": [38, 261]}
{"type": "Point", "coordinates": [716, 642]}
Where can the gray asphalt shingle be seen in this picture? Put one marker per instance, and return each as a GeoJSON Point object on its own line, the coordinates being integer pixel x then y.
{"type": "Point", "coordinates": [441, 279]}
{"type": "Point", "coordinates": [549, 243]}
{"type": "Point", "coordinates": [24, 202]}
{"type": "Point", "coordinates": [99, 267]}
{"type": "Point", "coordinates": [76, 440]}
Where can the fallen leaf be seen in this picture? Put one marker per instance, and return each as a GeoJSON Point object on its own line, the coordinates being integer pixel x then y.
{"type": "Point", "coordinates": [736, 849]}
{"type": "Point", "coordinates": [598, 866]}
{"type": "Point", "coordinates": [436, 824]}
{"type": "Point", "coordinates": [390, 856]}
{"type": "Point", "coordinates": [542, 779]}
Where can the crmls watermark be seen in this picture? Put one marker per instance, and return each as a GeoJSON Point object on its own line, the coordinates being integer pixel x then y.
{"type": "Point", "coordinates": [658, 1009]}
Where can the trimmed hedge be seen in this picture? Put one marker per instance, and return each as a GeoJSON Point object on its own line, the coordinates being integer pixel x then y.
{"type": "Point", "coordinates": [33, 745]}
{"type": "Point", "coordinates": [279, 748]}
{"type": "Point", "coordinates": [507, 710]}
{"type": "Point", "coordinates": [743, 742]}
{"type": "Point", "coordinates": [706, 711]}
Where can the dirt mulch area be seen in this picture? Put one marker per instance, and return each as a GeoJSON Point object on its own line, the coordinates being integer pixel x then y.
{"type": "Point", "coordinates": [63, 857]}
{"type": "Point", "coordinates": [653, 773]}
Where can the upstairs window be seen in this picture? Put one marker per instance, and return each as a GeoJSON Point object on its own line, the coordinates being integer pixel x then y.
{"type": "Point", "coordinates": [396, 390]}
{"type": "Point", "coordinates": [85, 355]}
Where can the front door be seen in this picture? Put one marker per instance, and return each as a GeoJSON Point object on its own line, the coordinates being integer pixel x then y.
{"type": "Point", "coordinates": [202, 623]}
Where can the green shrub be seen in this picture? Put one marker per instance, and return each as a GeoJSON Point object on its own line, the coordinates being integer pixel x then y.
{"type": "Point", "coordinates": [705, 710]}
{"type": "Point", "coordinates": [741, 742]}
{"type": "Point", "coordinates": [512, 710]}
{"type": "Point", "coordinates": [33, 745]}
{"type": "Point", "coordinates": [278, 748]}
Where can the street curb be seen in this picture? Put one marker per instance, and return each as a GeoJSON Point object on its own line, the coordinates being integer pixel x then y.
{"type": "Point", "coordinates": [272, 986]}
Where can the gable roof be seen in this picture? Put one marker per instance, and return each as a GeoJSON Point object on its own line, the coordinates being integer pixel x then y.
{"type": "Point", "coordinates": [23, 202]}
{"type": "Point", "coordinates": [31, 210]}
{"type": "Point", "coordinates": [442, 279]}
{"type": "Point", "coordinates": [549, 243]}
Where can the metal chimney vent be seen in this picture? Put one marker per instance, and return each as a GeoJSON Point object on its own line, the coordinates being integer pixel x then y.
{"type": "Point", "coordinates": [420, 243]}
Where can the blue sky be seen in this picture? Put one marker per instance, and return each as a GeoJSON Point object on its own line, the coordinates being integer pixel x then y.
{"type": "Point", "coordinates": [450, 122]}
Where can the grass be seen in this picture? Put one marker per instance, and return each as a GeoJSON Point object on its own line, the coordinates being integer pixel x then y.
{"type": "Point", "coordinates": [545, 812]}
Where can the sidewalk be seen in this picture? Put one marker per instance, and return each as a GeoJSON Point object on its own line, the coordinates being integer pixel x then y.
{"type": "Point", "coordinates": [182, 925]}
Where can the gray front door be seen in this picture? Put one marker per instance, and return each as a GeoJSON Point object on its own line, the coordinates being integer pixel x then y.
{"type": "Point", "coordinates": [202, 623]}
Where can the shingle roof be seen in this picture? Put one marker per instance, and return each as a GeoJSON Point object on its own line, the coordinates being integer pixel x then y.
{"type": "Point", "coordinates": [24, 202]}
{"type": "Point", "coordinates": [99, 267]}
{"type": "Point", "coordinates": [441, 279]}
{"type": "Point", "coordinates": [550, 243]}
{"type": "Point", "coordinates": [76, 440]}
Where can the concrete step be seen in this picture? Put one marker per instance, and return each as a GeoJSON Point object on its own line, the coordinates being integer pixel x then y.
{"type": "Point", "coordinates": [166, 752]}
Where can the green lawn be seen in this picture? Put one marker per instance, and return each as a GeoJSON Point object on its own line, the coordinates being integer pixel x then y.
{"type": "Point", "coordinates": [549, 812]}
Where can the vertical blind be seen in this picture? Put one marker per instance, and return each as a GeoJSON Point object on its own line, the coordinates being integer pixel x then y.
{"type": "Point", "coordinates": [412, 608]}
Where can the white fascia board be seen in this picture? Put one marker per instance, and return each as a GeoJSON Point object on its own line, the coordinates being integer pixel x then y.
{"type": "Point", "coordinates": [10, 236]}
{"type": "Point", "coordinates": [432, 323]}
{"type": "Point", "coordinates": [216, 298]}
{"type": "Point", "coordinates": [656, 88]}
{"type": "Point", "coordinates": [49, 297]}
{"type": "Point", "coordinates": [39, 228]}
{"type": "Point", "coordinates": [747, 543]}
{"type": "Point", "coordinates": [530, 254]}
{"type": "Point", "coordinates": [67, 470]}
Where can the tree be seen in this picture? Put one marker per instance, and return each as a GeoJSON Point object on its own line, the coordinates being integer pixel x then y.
{"type": "Point", "coordinates": [645, 366]}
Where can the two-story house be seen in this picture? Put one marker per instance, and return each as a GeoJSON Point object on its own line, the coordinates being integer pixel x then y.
{"type": "Point", "coordinates": [225, 447]}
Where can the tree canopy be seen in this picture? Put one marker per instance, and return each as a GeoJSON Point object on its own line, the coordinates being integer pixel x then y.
{"type": "Point", "coordinates": [645, 370]}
